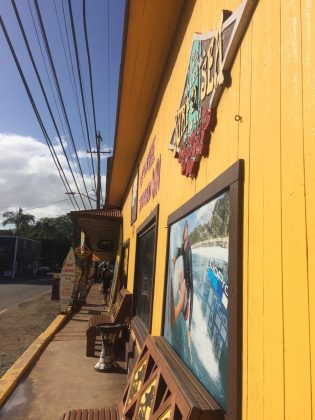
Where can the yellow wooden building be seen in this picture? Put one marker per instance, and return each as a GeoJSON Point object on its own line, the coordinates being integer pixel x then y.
{"type": "Point", "coordinates": [258, 78]}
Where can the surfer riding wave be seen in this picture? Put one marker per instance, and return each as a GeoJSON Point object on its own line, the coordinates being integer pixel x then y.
{"type": "Point", "coordinates": [183, 286]}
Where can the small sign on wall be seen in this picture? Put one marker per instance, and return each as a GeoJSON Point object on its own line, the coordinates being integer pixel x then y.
{"type": "Point", "coordinates": [152, 164]}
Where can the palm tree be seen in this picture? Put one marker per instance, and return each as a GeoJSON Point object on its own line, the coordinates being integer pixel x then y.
{"type": "Point", "coordinates": [19, 219]}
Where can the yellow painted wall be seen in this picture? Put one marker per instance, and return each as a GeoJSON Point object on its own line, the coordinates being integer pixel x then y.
{"type": "Point", "coordinates": [273, 90]}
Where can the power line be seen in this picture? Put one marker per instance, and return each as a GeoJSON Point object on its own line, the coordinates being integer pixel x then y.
{"type": "Point", "coordinates": [90, 68]}
{"type": "Point", "coordinates": [108, 80]}
{"type": "Point", "coordinates": [43, 91]}
{"type": "Point", "coordinates": [50, 83]}
{"type": "Point", "coordinates": [56, 82]}
{"type": "Point", "coordinates": [47, 73]}
{"type": "Point", "coordinates": [58, 88]}
{"type": "Point", "coordinates": [48, 141]}
{"type": "Point", "coordinates": [48, 204]}
{"type": "Point", "coordinates": [108, 71]}
{"type": "Point", "coordinates": [49, 144]}
{"type": "Point", "coordinates": [72, 79]}
{"type": "Point", "coordinates": [49, 80]}
{"type": "Point", "coordinates": [72, 66]}
{"type": "Point", "coordinates": [71, 61]}
{"type": "Point", "coordinates": [43, 205]}
{"type": "Point", "coordinates": [80, 78]}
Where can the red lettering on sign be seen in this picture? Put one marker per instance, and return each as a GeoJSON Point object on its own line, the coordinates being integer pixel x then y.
{"type": "Point", "coordinates": [145, 196]}
{"type": "Point", "coordinates": [153, 186]}
{"type": "Point", "coordinates": [148, 162]}
{"type": "Point", "coordinates": [197, 144]}
{"type": "Point", "coordinates": [156, 177]}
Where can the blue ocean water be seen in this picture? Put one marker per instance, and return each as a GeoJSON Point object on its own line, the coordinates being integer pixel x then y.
{"type": "Point", "coordinates": [208, 356]}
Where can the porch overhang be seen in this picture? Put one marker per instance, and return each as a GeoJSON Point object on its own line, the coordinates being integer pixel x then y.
{"type": "Point", "coordinates": [150, 27]}
{"type": "Point", "coordinates": [101, 228]}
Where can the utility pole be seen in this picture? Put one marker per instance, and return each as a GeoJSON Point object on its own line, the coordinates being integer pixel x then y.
{"type": "Point", "coordinates": [98, 153]}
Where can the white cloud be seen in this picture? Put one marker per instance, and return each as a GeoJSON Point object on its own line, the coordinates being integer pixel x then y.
{"type": "Point", "coordinates": [81, 154]}
{"type": "Point", "coordinates": [29, 178]}
{"type": "Point", "coordinates": [57, 145]}
{"type": "Point", "coordinates": [204, 214]}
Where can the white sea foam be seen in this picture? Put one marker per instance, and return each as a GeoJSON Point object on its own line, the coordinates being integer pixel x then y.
{"type": "Point", "coordinates": [202, 342]}
{"type": "Point", "coordinates": [212, 252]}
{"type": "Point", "coordinates": [178, 274]}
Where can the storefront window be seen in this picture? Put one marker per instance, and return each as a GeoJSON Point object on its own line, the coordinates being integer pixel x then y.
{"type": "Point", "coordinates": [145, 272]}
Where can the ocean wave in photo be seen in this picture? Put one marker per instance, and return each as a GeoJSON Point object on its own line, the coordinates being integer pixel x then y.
{"type": "Point", "coordinates": [202, 341]}
{"type": "Point", "coordinates": [212, 251]}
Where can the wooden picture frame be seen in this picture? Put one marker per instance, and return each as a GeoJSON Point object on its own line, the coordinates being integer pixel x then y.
{"type": "Point", "coordinates": [216, 288]}
{"type": "Point", "coordinates": [150, 223]}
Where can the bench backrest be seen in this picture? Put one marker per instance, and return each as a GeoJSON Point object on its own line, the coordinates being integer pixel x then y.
{"type": "Point", "coordinates": [122, 307]}
{"type": "Point", "coordinates": [162, 387]}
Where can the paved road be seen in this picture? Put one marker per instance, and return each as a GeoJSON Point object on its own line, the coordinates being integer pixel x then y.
{"type": "Point", "coordinates": [14, 291]}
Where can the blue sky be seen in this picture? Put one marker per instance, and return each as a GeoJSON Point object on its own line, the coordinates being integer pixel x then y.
{"type": "Point", "coordinates": [21, 140]}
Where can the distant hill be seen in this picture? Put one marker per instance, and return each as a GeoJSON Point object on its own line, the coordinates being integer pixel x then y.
{"type": "Point", "coordinates": [218, 225]}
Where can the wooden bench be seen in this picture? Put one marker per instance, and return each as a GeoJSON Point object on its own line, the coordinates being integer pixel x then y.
{"type": "Point", "coordinates": [118, 314]}
{"type": "Point", "coordinates": [161, 387]}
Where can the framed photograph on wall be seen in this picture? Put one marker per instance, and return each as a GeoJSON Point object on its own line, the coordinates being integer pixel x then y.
{"type": "Point", "coordinates": [134, 198]}
{"type": "Point", "coordinates": [203, 316]}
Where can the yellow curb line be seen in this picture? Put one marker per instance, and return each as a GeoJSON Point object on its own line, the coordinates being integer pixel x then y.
{"type": "Point", "coordinates": [11, 378]}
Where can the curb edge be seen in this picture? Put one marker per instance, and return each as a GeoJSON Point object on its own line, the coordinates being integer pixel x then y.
{"type": "Point", "coordinates": [13, 375]}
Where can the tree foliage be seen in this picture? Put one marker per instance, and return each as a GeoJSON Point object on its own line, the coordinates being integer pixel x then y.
{"type": "Point", "coordinates": [19, 219]}
{"type": "Point", "coordinates": [51, 228]}
{"type": "Point", "coordinates": [55, 234]}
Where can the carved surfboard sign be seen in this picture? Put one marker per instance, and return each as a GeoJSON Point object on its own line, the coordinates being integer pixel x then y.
{"type": "Point", "coordinates": [211, 60]}
{"type": "Point", "coordinates": [67, 280]}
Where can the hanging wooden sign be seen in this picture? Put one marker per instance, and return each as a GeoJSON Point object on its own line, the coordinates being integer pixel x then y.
{"type": "Point", "coordinates": [82, 253]}
{"type": "Point", "coordinates": [211, 59]}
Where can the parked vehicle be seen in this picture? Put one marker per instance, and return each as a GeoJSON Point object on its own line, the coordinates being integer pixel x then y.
{"type": "Point", "coordinates": [43, 269]}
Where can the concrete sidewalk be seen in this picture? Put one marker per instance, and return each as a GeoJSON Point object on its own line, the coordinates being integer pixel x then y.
{"type": "Point", "coordinates": [63, 377]}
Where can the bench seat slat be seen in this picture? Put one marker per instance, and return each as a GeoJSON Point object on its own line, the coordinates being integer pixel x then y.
{"type": "Point", "coordinates": [108, 413]}
{"type": "Point", "coordinates": [85, 414]}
